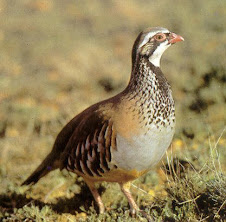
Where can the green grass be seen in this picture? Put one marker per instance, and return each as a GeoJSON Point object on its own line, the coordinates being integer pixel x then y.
{"type": "Point", "coordinates": [57, 58]}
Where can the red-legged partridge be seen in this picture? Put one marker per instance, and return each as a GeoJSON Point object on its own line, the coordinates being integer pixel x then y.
{"type": "Point", "coordinates": [121, 138]}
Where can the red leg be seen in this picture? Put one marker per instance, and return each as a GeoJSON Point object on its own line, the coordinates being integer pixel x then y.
{"type": "Point", "coordinates": [96, 196]}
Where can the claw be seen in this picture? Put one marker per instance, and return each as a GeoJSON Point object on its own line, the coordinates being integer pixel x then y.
{"type": "Point", "coordinates": [134, 209]}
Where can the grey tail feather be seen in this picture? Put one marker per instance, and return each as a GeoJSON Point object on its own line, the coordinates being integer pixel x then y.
{"type": "Point", "coordinates": [44, 168]}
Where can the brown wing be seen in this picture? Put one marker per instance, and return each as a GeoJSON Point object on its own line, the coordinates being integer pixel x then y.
{"type": "Point", "coordinates": [83, 144]}
{"type": "Point", "coordinates": [88, 150]}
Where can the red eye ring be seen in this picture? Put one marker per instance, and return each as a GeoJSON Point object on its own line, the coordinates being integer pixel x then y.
{"type": "Point", "coordinates": [160, 37]}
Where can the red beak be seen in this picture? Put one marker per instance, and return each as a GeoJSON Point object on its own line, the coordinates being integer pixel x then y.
{"type": "Point", "coordinates": [175, 38]}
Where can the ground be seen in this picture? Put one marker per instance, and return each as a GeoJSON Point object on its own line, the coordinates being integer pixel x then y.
{"type": "Point", "coordinates": [59, 57]}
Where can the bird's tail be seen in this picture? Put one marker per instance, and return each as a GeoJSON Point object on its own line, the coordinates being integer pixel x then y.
{"type": "Point", "coordinates": [48, 164]}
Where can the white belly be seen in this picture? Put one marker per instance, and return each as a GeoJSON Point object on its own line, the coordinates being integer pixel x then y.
{"type": "Point", "coordinates": [143, 151]}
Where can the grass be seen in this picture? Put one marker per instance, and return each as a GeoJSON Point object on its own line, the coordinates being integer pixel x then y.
{"type": "Point", "coordinates": [58, 58]}
{"type": "Point", "coordinates": [183, 189]}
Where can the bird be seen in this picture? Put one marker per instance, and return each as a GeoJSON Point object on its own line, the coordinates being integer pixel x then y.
{"type": "Point", "coordinates": [121, 138]}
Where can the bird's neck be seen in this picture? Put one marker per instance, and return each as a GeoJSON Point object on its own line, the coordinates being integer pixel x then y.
{"type": "Point", "coordinates": [145, 76]}
{"type": "Point", "coordinates": [151, 94]}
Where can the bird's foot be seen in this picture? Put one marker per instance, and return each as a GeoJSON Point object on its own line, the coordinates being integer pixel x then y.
{"type": "Point", "coordinates": [142, 213]}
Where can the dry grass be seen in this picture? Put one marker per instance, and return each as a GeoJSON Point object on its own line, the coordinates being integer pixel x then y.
{"type": "Point", "coordinates": [59, 57]}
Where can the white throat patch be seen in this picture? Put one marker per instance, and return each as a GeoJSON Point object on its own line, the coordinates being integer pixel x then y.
{"type": "Point", "coordinates": [156, 56]}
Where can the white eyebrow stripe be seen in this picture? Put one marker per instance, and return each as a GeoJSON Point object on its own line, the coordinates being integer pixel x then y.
{"type": "Point", "coordinates": [147, 37]}
{"type": "Point", "coordinates": [151, 34]}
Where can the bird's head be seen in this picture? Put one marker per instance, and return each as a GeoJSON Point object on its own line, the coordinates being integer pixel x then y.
{"type": "Point", "coordinates": [152, 42]}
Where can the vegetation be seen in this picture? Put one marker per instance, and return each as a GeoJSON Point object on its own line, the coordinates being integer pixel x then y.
{"type": "Point", "coordinates": [59, 57]}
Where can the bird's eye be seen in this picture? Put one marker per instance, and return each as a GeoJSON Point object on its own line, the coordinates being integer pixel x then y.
{"type": "Point", "coordinates": [160, 37]}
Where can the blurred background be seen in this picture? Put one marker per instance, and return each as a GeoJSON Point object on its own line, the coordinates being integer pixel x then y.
{"type": "Point", "coordinates": [59, 57]}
